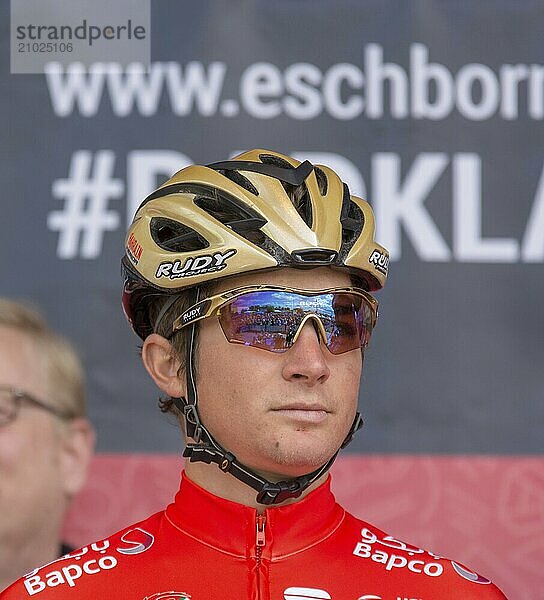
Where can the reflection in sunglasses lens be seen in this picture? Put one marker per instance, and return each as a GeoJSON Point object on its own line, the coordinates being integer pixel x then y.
{"type": "Point", "coordinates": [271, 319]}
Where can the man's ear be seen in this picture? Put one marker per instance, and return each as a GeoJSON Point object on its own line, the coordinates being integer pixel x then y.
{"type": "Point", "coordinates": [162, 365]}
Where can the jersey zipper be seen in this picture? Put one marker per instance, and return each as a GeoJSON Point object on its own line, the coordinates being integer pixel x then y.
{"type": "Point", "coordinates": [260, 541]}
{"type": "Point", "coordinates": [260, 538]}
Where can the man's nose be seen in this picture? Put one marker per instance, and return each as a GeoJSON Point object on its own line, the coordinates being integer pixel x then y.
{"type": "Point", "coordinates": [306, 359]}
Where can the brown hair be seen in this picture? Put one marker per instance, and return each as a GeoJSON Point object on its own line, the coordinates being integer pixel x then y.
{"type": "Point", "coordinates": [66, 378]}
{"type": "Point", "coordinates": [162, 321]}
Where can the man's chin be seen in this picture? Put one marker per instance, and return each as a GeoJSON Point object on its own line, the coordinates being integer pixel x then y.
{"type": "Point", "coordinates": [291, 467]}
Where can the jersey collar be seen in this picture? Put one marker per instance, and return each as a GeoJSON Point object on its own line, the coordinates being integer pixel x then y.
{"type": "Point", "coordinates": [231, 527]}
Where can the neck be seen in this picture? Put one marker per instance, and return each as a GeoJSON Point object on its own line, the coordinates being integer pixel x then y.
{"type": "Point", "coordinates": [19, 558]}
{"type": "Point", "coordinates": [226, 486]}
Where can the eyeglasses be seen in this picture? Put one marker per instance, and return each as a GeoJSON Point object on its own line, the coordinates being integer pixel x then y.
{"type": "Point", "coordinates": [271, 317]}
{"type": "Point", "coordinates": [11, 400]}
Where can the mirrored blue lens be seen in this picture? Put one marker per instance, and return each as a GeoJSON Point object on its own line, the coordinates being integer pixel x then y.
{"type": "Point", "coordinates": [271, 319]}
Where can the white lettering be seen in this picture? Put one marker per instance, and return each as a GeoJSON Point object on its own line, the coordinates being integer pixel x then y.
{"type": "Point", "coordinates": [107, 562]}
{"type": "Point", "coordinates": [144, 169]}
{"type": "Point", "coordinates": [423, 73]}
{"type": "Point", "coordinates": [54, 578]}
{"type": "Point", "coordinates": [192, 314]}
{"type": "Point", "coordinates": [194, 266]}
{"type": "Point", "coordinates": [76, 86]}
{"type": "Point", "coordinates": [71, 573]}
{"type": "Point", "coordinates": [376, 73]}
{"type": "Point", "coordinates": [395, 562]}
{"type": "Point", "coordinates": [87, 567]}
{"type": "Point", "coordinates": [34, 585]}
{"type": "Point", "coordinates": [467, 216]}
{"type": "Point", "coordinates": [134, 85]}
{"type": "Point", "coordinates": [163, 270]}
{"type": "Point", "coordinates": [197, 87]}
{"type": "Point", "coordinates": [300, 81]}
{"type": "Point", "coordinates": [380, 556]}
{"type": "Point", "coordinates": [426, 90]}
{"type": "Point", "coordinates": [489, 101]}
{"type": "Point", "coordinates": [433, 569]}
{"type": "Point", "coordinates": [100, 546]}
{"type": "Point", "coordinates": [412, 565]}
{"type": "Point", "coordinates": [259, 80]}
{"type": "Point", "coordinates": [536, 92]}
{"type": "Point", "coordinates": [532, 246]}
{"type": "Point", "coordinates": [362, 550]}
{"type": "Point", "coordinates": [368, 535]}
{"type": "Point", "coordinates": [395, 204]}
{"type": "Point", "coordinates": [332, 91]}
{"type": "Point", "coordinates": [221, 258]}
{"type": "Point", "coordinates": [510, 76]}
{"type": "Point", "coordinates": [201, 262]}
{"type": "Point", "coordinates": [176, 270]}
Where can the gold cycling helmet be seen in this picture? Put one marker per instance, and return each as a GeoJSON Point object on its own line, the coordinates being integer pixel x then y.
{"type": "Point", "coordinates": [260, 210]}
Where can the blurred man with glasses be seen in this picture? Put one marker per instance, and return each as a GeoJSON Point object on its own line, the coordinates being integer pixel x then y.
{"type": "Point", "coordinates": [46, 441]}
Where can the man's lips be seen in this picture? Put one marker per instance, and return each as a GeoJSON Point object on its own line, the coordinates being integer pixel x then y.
{"type": "Point", "coordinates": [299, 411]}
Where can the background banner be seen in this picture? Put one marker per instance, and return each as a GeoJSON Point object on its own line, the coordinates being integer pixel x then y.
{"type": "Point", "coordinates": [431, 110]}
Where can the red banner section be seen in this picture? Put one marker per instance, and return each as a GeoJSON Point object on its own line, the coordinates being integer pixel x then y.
{"type": "Point", "coordinates": [486, 512]}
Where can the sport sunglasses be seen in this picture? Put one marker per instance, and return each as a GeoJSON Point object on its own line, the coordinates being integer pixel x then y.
{"type": "Point", "coordinates": [271, 317]}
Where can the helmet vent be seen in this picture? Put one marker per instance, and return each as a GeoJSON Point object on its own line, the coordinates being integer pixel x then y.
{"type": "Point", "coordinates": [314, 256]}
{"type": "Point", "coordinates": [298, 194]}
{"type": "Point", "coordinates": [322, 182]}
{"type": "Point", "coordinates": [231, 213]}
{"type": "Point", "coordinates": [173, 236]}
{"type": "Point", "coordinates": [352, 221]}
{"type": "Point", "coordinates": [240, 180]}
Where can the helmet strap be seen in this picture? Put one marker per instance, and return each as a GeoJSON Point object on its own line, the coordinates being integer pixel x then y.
{"type": "Point", "coordinates": [206, 449]}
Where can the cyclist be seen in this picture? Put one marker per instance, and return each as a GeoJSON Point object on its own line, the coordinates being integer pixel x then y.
{"type": "Point", "coordinates": [250, 283]}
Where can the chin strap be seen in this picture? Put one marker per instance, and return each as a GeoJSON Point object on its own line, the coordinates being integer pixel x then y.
{"type": "Point", "coordinates": [207, 450]}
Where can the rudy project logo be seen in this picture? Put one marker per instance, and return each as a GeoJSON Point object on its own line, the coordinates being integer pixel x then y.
{"type": "Point", "coordinates": [207, 263]}
{"type": "Point", "coordinates": [169, 596]}
{"type": "Point", "coordinates": [380, 260]}
{"type": "Point", "coordinates": [137, 540]}
{"type": "Point", "coordinates": [303, 593]}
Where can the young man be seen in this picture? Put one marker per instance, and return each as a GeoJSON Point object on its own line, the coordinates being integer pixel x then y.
{"type": "Point", "coordinates": [249, 282]}
{"type": "Point", "coordinates": [46, 442]}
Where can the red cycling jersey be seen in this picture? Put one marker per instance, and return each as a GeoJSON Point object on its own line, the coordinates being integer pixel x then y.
{"type": "Point", "coordinates": [204, 547]}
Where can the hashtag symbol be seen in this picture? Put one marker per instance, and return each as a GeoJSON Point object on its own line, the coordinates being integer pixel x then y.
{"type": "Point", "coordinates": [85, 217]}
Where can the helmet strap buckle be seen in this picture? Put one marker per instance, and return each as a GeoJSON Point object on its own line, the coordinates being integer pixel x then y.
{"type": "Point", "coordinates": [192, 421]}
